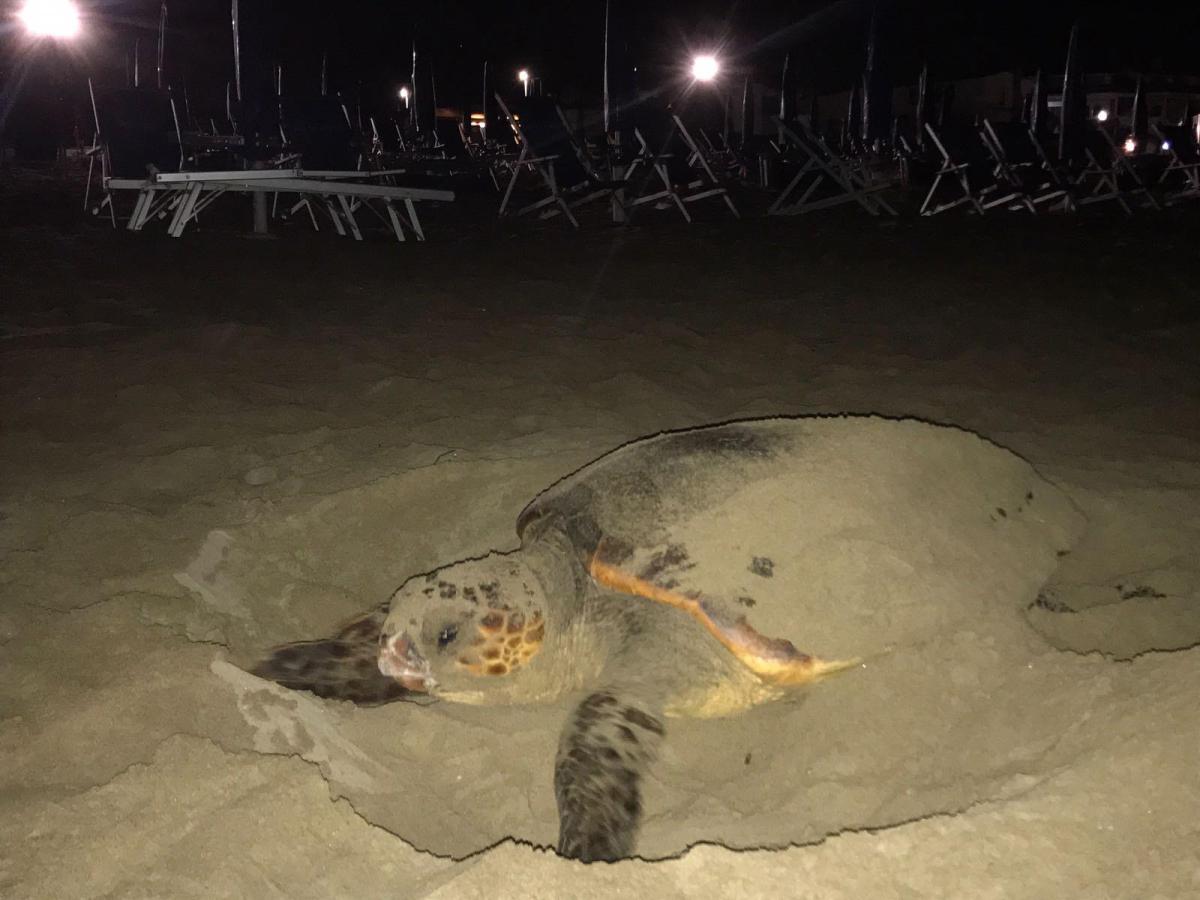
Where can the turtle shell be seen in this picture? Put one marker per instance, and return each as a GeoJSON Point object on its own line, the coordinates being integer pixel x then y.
{"type": "Point", "coordinates": [831, 532]}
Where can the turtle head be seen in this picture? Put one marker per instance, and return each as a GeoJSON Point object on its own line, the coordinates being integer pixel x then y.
{"type": "Point", "coordinates": [462, 632]}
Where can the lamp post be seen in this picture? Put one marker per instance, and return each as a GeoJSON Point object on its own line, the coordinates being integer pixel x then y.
{"type": "Point", "coordinates": [404, 95]}
{"type": "Point", "coordinates": [526, 79]}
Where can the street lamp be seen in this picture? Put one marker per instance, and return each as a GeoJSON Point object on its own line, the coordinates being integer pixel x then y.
{"type": "Point", "coordinates": [705, 67]}
{"type": "Point", "coordinates": [50, 18]}
{"type": "Point", "coordinates": [525, 79]}
{"type": "Point", "coordinates": [404, 95]}
{"type": "Point", "coordinates": [1102, 115]}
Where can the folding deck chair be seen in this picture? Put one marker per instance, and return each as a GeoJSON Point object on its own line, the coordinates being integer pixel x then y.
{"type": "Point", "coordinates": [1180, 180]}
{"type": "Point", "coordinates": [1108, 175]}
{"type": "Point", "coordinates": [824, 178]}
{"type": "Point", "coordinates": [137, 132]}
{"type": "Point", "coordinates": [667, 153]}
{"type": "Point", "coordinates": [1018, 164]}
{"type": "Point", "coordinates": [965, 167]}
{"type": "Point", "coordinates": [566, 174]}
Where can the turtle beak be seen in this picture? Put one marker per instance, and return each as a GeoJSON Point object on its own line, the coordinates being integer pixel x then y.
{"type": "Point", "coordinates": [399, 659]}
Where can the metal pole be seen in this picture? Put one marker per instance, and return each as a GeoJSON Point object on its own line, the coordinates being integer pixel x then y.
{"type": "Point", "coordinates": [606, 95]}
{"type": "Point", "coordinates": [261, 223]}
{"type": "Point", "coordinates": [187, 106]}
{"type": "Point", "coordinates": [162, 40]}
{"type": "Point", "coordinates": [412, 108]}
{"type": "Point", "coordinates": [237, 54]}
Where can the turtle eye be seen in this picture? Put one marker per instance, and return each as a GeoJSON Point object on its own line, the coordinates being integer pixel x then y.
{"type": "Point", "coordinates": [446, 635]}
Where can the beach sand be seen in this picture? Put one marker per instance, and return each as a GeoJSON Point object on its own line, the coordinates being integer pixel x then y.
{"type": "Point", "coordinates": [216, 444]}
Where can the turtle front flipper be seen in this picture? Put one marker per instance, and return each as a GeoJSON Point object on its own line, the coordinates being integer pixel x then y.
{"type": "Point", "coordinates": [343, 667]}
{"type": "Point", "coordinates": [608, 743]}
{"type": "Point", "coordinates": [775, 660]}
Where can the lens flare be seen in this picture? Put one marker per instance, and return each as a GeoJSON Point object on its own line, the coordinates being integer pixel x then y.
{"type": "Point", "coordinates": [705, 68]}
{"type": "Point", "coordinates": [50, 18]}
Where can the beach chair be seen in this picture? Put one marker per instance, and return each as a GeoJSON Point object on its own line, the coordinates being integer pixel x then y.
{"type": "Point", "coordinates": [964, 169]}
{"type": "Point", "coordinates": [1108, 175]}
{"type": "Point", "coordinates": [668, 167]}
{"type": "Point", "coordinates": [1180, 180]}
{"type": "Point", "coordinates": [1056, 171]}
{"type": "Point", "coordinates": [138, 134]}
{"type": "Point", "coordinates": [824, 179]}
{"type": "Point", "coordinates": [564, 177]}
{"type": "Point", "coordinates": [343, 195]}
{"type": "Point", "coordinates": [1017, 163]}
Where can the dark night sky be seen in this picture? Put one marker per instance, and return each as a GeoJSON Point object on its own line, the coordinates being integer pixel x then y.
{"type": "Point", "coordinates": [563, 37]}
{"type": "Point", "coordinates": [369, 40]}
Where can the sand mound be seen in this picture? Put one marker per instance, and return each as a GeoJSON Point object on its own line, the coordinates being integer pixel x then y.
{"type": "Point", "coordinates": [906, 553]}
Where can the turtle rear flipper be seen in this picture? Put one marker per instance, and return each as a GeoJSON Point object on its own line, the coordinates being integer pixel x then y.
{"type": "Point", "coordinates": [609, 742]}
{"type": "Point", "coordinates": [343, 667]}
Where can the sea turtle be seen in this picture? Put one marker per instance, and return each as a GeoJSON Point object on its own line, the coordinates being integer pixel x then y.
{"type": "Point", "coordinates": [648, 584]}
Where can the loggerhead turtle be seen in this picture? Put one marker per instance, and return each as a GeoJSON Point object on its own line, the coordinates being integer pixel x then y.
{"type": "Point", "coordinates": [635, 585]}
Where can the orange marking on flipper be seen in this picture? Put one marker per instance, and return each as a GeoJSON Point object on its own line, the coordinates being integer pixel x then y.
{"type": "Point", "coordinates": [773, 659]}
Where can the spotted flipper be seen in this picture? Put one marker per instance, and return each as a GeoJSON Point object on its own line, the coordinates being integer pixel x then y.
{"type": "Point", "coordinates": [342, 667]}
{"type": "Point", "coordinates": [605, 749]}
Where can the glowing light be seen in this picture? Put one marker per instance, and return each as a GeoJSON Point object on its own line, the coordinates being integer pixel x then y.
{"type": "Point", "coordinates": [523, 76]}
{"type": "Point", "coordinates": [404, 93]}
{"type": "Point", "coordinates": [50, 18]}
{"type": "Point", "coordinates": [1130, 146]}
{"type": "Point", "coordinates": [1102, 116]}
{"type": "Point", "coordinates": [1166, 145]}
{"type": "Point", "coordinates": [705, 68]}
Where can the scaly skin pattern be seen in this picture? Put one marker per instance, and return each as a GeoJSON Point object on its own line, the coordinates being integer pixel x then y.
{"type": "Point", "coordinates": [341, 667]}
{"type": "Point", "coordinates": [608, 743]}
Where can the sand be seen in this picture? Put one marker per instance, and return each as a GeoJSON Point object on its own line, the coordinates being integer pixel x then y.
{"type": "Point", "coordinates": [213, 445]}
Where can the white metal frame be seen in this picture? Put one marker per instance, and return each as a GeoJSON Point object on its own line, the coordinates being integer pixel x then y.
{"type": "Point", "coordinates": [821, 166]}
{"type": "Point", "coordinates": [1103, 179]}
{"type": "Point", "coordinates": [559, 199]}
{"type": "Point", "coordinates": [341, 199]}
{"type": "Point", "coordinates": [1031, 196]}
{"type": "Point", "coordinates": [703, 183]}
{"type": "Point", "coordinates": [1001, 192]}
{"type": "Point", "coordinates": [1189, 169]}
